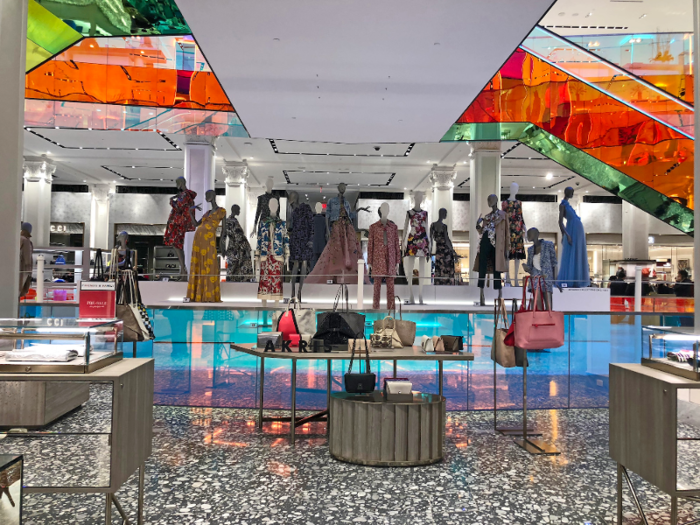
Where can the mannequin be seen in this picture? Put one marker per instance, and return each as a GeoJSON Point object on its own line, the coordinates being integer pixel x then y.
{"type": "Point", "coordinates": [541, 261]}
{"type": "Point", "coordinates": [301, 234]}
{"type": "Point", "coordinates": [334, 205]}
{"type": "Point", "coordinates": [235, 247]}
{"type": "Point", "coordinates": [573, 272]}
{"type": "Point", "coordinates": [441, 247]}
{"type": "Point", "coordinates": [514, 209]}
{"type": "Point", "coordinates": [319, 238]}
{"type": "Point", "coordinates": [122, 249]}
{"type": "Point", "coordinates": [26, 259]}
{"type": "Point", "coordinates": [262, 211]}
{"type": "Point", "coordinates": [273, 251]}
{"type": "Point", "coordinates": [494, 245]}
{"type": "Point", "coordinates": [179, 221]}
{"type": "Point", "coordinates": [417, 245]}
{"type": "Point", "coordinates": [204, 285]}
{"type": "Point", "coordinates": [383, 255]}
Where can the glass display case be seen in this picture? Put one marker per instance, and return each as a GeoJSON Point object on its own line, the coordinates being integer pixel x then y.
{"type": "Point", "coordinates": [59, 345]}
{"type": "Point", "coordinates": [11, 489]}
{"type": "Point", "coordinates": [673, 350]}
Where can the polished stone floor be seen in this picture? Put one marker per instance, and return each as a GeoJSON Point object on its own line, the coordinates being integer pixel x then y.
{"type": "Point", "coordinates": [212, 466]}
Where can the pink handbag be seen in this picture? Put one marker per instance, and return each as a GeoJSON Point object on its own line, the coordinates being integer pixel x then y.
{"type": "Point", "coordinates": [538, 329]}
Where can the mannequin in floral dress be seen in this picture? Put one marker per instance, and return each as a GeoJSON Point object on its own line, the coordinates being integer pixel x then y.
{"type": "Point", "coordinates": [443, 250]}
{"type": "Point", "coordinates": [514, 210]}
{"type": "Point", "coordinates": [179, 221]}
{"type": "Point", "coordinates": [417, 245]}
{"type": "Point", "coordinates": [236, 248]}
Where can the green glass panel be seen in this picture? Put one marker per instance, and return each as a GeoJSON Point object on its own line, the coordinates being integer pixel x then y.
{"type": "Point", "coordinates": [120, 17]}
{"type": "Point", "coordinates": [47, 31]}
{"type": "Point", "coordinates": [35, 55]}
{"type": "Point", "coordinates": [588, 167]}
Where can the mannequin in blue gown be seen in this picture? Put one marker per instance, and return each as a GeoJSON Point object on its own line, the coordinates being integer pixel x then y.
{"type": "Point", "coordinates": [573, 270]}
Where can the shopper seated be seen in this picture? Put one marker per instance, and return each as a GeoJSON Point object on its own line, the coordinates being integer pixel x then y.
{"type": "Point", "coordinates": [618, 286]}
{"type": "Point", "coordinates": [684, 286]}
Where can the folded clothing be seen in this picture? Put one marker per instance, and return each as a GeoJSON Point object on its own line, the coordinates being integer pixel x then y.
{"type": "Point", "coordinates": [29, 355]}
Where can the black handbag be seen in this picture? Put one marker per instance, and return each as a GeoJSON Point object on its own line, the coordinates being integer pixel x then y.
{"type": "Point", "coordinates": [99, 271]}
{"type": "Point", "coordinates": [338, 326]}
{"type": "Point", "coordinates": [359, 383]}
{"type": "Point", "coordinates": [453, 343]}
{"type": "Point", "coordinates": [319, 346]}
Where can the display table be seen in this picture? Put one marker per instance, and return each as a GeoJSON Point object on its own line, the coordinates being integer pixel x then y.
{"type": "Point", "coordinates": [409, 353]}
{"type": "Point", "coordinates": [655, 431]}
{"type": "Point", "coordinates": [10, 489]}
{"type": "Point", "coordinates": [367, 430]}
{"type": "Point", "coordinates": [97, 448]}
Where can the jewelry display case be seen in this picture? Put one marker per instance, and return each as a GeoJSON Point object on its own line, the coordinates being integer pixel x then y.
{"type": "Point", "coordinates": [11, 470]}
{"type": "Point", "coordinates": [59, 345]}
{"type": "Point", "coordinates": [673, 350]}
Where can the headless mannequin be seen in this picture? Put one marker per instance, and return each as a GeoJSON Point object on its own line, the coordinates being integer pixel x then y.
{"type": "Point", "coordinates": [341, 197]}
{"type": "Point", "coordinates": [568, 194]}
{"type": "Point", "coordinates": [384, 218]}
{"type": "Point", "coordinates": [516, 262]}
{"type": "Point", "coordinates": [181, 185]}
{"type": "Point", "coordinates": [223, 242]}
{"type": "Point", "coordinates": [533, 235]}
{"type": "Point", "coordinates": [293, 199]}
{"type": "Point", "coordinates": [493, 204]}
{"type": "Point", "coordinates": [440, 226]}
{"type": "Point", "coordinates": [269, 183]}
{"type": "Point", "coordinates": [274, 209]}
{"type": "Point", "coordinates": [409, 261]}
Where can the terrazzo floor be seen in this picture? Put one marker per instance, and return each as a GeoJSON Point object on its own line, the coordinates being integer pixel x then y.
{"type": "Point", "coordinates": [213, 466]}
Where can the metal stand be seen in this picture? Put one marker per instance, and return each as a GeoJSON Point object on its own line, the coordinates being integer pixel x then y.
{"type": "Point", "coordinates": [112, 498]}
{"type": "Point", "coordinates": [533, 446]}
{"type": "Point", "coordinates": [506, 431]}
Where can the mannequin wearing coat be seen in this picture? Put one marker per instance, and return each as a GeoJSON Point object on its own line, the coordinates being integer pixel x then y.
{"type": "Point", "coordinates": [494, 244]}
{"type": "Point", "coordinates": [383, 255]}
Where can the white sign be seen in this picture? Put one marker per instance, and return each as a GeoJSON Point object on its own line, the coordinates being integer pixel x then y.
{"type": "Point", "coordinates": [98, 285]}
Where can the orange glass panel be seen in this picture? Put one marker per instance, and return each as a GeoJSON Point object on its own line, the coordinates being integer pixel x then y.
{"type": "Point", "coordinates": [527, 89]}
{"type": "Point", "coordinates": [166, 72]}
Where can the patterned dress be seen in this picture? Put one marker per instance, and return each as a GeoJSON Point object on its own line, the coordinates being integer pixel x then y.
{"type": "Point", "coordinates": [302, 233]}
{"type": "Point", "coordinates": [417, 242]}
{"type": "Point", "coordinates": [262, 211]}
{"type": "Point", "coordinates": [239, 267]}
{"type": "Point", "coordinates": [273, 245]}
{"type": "Point", "coordinates": [514, 210]}
{"type": "Point", "coordinates": [383, 255]}
{"type": "Point", "coordinates": [204, 285]}
{"type": "Point", "coordinates": [444, 256]}
{"type": "Point", "coordinates": [179, 221]}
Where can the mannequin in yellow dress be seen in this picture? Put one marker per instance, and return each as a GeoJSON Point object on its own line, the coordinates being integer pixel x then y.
{"type": "Point", "coordinates": [204, 285]}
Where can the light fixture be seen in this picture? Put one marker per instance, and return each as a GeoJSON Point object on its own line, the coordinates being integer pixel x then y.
{"type": "Point", "coordinates": [428, 162]}
{"type": "Point", "coordinates": [464, 162]}
{"type": "Point", "coordinates": [58, 127]}
{"type": "Point", "coordinates": [48, 153]}
{"type": "Point", "coordinates": [533, 187]}
{"type": "Point", "coordinates": [643, 16]}
{"type": "Point", "coordinates": [549, 176]}
{"type": "Point", "coordinates": [133, 167]}
{"type": "Point", "coordinates": [84, 181]}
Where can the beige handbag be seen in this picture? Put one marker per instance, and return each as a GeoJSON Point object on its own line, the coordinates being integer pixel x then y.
{"type": "Point", "coordinates": [502, 353]}
{"type": "Point", "coordinates": [361, 346]}
{"type": "Point", "coordinates": [405, 329]}
{"type": "Point", "coordinates": [386, 336]}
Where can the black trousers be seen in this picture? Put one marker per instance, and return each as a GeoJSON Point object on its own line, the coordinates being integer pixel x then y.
{"type": "Point", "coordinates": [487, 253]}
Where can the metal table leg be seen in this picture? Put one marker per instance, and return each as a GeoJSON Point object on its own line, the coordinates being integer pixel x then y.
{"type": "Point", "coordinates": [395, 369]}
{"type": "Point", "coordinates": [292, 425]}
{"type": "Point", "coordinates": [674, 510]}
{"type": "Point", "coordinates": [120, 510]}
{"type": "Point", "coordinates": [108, 509]}
{"type": "Point", "coordinates": [261, 393]}
{"type": "Point", "coordinates": [619, 494]}
{"type": "Point", "coordinates": [329, 380]}
{"type": "Point", "coordinates": [440, 377]}
{"type": "Point", "coordinates": [142, 475]}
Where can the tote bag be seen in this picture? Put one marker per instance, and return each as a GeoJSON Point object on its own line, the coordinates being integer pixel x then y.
{"type": "Point", "coordinates": [502, 352]}
{"type": "Point", "coordinates": [341, 324]}
{"type": "Point", "coordinates": [536, 328]}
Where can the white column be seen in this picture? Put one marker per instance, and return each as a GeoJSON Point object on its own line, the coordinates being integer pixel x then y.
{"type": "Point", "coordinates": [100, 236]}
{"type": "Point", "coordinates": [199, 173]}
{"type": "Point", "coordinates": [485, 180]}
{"type": "Point", "coordinates": [236, 174]}
{"type": "Point", "coordinates": [38, 176]}
{"type": "Point", "coordinates": [13, 36]}
{"type": "Point", "coordinates": [696, 179]}
{"type": "Point", "coordinates": [635, 232]}
{"type": "Point", "coordinates": [443, 181]}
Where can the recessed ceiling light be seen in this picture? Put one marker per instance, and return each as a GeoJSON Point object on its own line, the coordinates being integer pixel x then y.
{"type": "Point", "coordinates": [48, 153]}
{"type": "Point", "coordinates": [133, 167]}
{"type": "Point", "coordinates": [464, 162]}
{"type": "Point", "coordinates": [58, 127]}
{"type": "Point", "coordinates": [84, 181]}
{"type": "Point", "coordinates": [549, 176]}
{"type": "Point", "coordinates": [405, 188]}
{"type": "Point", "coordinates": [533, 187]}
{"type": "Point", "coordinates": [428, 161]}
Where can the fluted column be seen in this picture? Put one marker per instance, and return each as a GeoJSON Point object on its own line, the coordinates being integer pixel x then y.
{"type": "Point", "coordinates": [236, 174]}
{"type": "Point", "coordinates": [38, 177]}
{"type": "Point", "coordinates": [485, 180]}
{"type": "Point", "coordinates": [443, 181]}
{"type": "Point", "coordinates": [100, 236]}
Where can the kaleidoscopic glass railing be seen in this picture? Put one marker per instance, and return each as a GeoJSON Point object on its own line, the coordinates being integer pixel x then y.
{"type": "Point", "coordinates": [611, 79]}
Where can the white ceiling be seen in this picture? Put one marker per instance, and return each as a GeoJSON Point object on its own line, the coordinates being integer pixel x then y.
{"type": "Point", "coordinates": [639, 16]}
{"type": "Point", "coordinates": [359, 72]}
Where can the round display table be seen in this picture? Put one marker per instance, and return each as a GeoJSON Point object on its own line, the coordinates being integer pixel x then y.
{"type": "Point", "coordinates": [367, 430]}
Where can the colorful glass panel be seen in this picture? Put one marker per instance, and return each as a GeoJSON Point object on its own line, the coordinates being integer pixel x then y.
{"type": "Point", "coordinates": [589, 167]}
{"type": "Point", "coordinates": [77, 115]}
{"type": "Point", "coordinates": [120, 17]}
{"type": "Point", "coordinates": [611, 80]}
{"type": "Point", "coordinates": [528, 89]}
{"type": "Point", "coordinates": [47, 35]}
{"type": "Point", "coordinates": [137, 71]}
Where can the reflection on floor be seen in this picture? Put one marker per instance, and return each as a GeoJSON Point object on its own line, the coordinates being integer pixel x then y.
{"type": "Point", "coordinates": [213, 467]}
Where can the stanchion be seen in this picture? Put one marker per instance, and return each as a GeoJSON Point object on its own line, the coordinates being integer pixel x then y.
{"type": "Point", "coordinates": [360, 283]}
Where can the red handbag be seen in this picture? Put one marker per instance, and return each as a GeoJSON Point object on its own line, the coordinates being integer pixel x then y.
{"type": "Point", "coordinates": [537, 329]}
{"type": "Point", "coordinates": [288, 327]}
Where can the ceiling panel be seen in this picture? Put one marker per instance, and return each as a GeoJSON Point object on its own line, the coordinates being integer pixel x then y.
{"type": "Point", "coordinates": [329, 178]}
{"type": "Point", "coordinates": [138, 173]}
{"type": "Point", "coordinates": [284, 147]}
{"type": "Point", "coordinates": [117, 140]}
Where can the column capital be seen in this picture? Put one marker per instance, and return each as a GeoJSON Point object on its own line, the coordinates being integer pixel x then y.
{"type": "Point", "coordinates": [200, 140]}
{"type": "Point", "coordinates": [38, 169]}
{"type": "Point", "coordinates": [236, 173]}
{"type": "Point", "coordinates": [102, 192]}
{"type": "Point", "coordinates": [443, 178]}
{"type": "Point", "coordinates": [486, 147]}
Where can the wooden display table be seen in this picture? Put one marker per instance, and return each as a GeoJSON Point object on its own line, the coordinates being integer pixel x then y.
{"type": "Point", "coordinates": [408, 353]}
{"type": "Point", "coordinates": [367, 430]}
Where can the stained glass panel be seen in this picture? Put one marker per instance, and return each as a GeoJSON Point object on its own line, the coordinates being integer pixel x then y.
{"type": "Point", "coordinates": [139, 71]}
{"type": "Point", "coordinates": [589, 167]}
{"type": "Point", "coordinates": [47, 35]}
{"type": "Point", "coordinates": [527, 89]}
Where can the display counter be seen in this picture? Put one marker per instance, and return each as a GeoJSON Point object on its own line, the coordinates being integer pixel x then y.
{"type": "Point", "coordinates": [11, 469]}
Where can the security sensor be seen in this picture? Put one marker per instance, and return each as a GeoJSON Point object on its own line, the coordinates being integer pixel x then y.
{"type": "Point", "coordinates": [377, 148]}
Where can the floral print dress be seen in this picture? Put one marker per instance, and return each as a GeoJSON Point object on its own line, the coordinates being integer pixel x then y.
{"type": "Point", "coordinates": [239, 267]}
{"type": "Point", "coordinates": [417, 242]}
{"type": "Point", "coordinates": [444, 256]}
{"type": "Point", "coordinates": [179, 221]}
{"type": "Point", "coordinates": [514, 211]}
{"type": "Point", "coordinates": [302, 233]}
{"type": "Point", "coordinates": [273, 246]}
{"type": "Point", "coordinates": [204, 285]}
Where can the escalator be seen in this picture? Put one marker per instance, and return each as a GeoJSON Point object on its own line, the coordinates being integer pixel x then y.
{"type": "Point", "coordinates": [621, 133]}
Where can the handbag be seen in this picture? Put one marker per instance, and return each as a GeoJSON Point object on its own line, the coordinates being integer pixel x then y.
{"type": "Point", "coordinates": [405, 329]}
{"type": "Point", "coordinates": [538, 329]}
{"type": "Point", "coordinates": [501, 351]}
{"type": "Point", "coordinates": [319, 346]}
{"type": "Point", "coordinates": [386, 337]}
{"type": "Point", "coordinates": [453, 343]}
{"type": "Point", "coordinates": [303, 320]}
{"type": "Point", "coordinates": [99, 272]}
{"type": "Point", "coordinates": [360, 383]}
{"type": "Point", "coordinates": [130, 309]}
{"type": "Point", "coordinates": [337, 327]}
{"type": "Point", "coordinates": [264, 337]}
{"type": "Point", "coordinates": [427, 344]}
{"type": "Point", "coordinates": [363, 347]}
